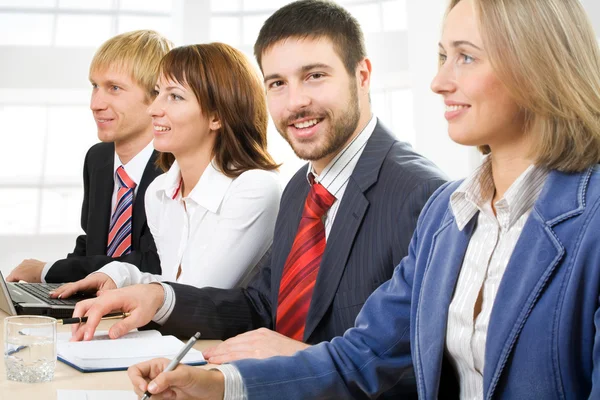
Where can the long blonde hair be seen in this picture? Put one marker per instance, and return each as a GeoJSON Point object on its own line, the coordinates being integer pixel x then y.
{"type": "Point", "coordinates": [546, 54]}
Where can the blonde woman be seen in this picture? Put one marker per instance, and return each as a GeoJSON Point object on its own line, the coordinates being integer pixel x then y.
{"type": "Point", "coordinates": [499, 295]}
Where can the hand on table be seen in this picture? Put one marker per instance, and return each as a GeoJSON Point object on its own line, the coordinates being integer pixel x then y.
{"type": "Point", "coordinates": [184, 382]}
{"type": "Point", "coordinates": [96, 282]}
{"type": "Point", "coordinates": [141, 301]}
{"type": "Point", "coordinates": [260, 343]}
{"type": "Point", "coordinates": [29, 270]}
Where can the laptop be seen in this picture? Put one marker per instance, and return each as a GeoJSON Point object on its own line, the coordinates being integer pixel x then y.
{"type": "Point", "coordinates": [34, 299]}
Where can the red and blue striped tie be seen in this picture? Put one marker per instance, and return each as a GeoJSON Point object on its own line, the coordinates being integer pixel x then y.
{"type": "Point", "coordinates": [302, 265]}
{"type": "Point", "coordinates": [119, 234]}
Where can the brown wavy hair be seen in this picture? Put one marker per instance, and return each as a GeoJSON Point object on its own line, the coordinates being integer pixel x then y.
{"type": "Point", "coordinates": [228, 86]}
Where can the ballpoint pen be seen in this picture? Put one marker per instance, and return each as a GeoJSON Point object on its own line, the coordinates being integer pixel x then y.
{"type": "Point", "coordinates": [175, 361]}
{"type": "Point", "coordinates": [80, 320]}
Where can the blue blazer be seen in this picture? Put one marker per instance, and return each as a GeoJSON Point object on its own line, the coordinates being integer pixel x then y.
{"type": "Point", "coordinates": [544, 333]}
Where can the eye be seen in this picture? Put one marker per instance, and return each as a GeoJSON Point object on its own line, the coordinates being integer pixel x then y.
{"type": "Point", "coordinates": [466, 59]}
{"type": "Point", "coordinates": [175, 97]}
{"type": "Point", "coordinates": [115, 88]}
{"type": "Point", "coordinates": [442, 58]}
{"type": "Point", "coordinates": [275, 84]}
{"type": "Point", "coordinates": [154, 93]}
{"type": "Point", "coordinates": [316, 75]}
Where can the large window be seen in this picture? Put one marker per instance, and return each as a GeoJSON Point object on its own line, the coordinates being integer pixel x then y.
{"type": "Point", "coordinates": [48, 129]}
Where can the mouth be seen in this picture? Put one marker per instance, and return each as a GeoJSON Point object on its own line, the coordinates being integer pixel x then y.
{"type": "Point", "coordinates": [305, 128]}
{"type": "Point", "coordinates": [161, 128]}
{"type": "Point", "coordinates": [455, 110]}
{"type": "Point", "coordinates": [103, 121]}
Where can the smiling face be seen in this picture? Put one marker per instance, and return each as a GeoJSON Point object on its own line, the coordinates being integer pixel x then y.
{"type": "Point", "coordinates": [119, 106]}
{"type": "Point", "coordinates": [479, 108]}
{"type": "Point", "coordinates": [180, 126]}
{"type": "Point", "coordinates": [315, 104]}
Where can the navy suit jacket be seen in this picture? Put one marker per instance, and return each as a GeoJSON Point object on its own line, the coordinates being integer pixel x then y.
{"type": "Point", "coordinates": [369, 236]}
{"type": "Point", "coordinates": [89, 254]}
{"type": "Point", "coordinates": [543, 340]}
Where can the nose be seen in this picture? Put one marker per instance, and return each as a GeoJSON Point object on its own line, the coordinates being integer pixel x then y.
{"type": "Point", "coordinates": [98, 102]}
{"type": "Point", "coordinates": [444, 81]}
{"type": "Point", "coordinates": [155, 109]}
{"type": "Point", "coordinates": [298, 98]}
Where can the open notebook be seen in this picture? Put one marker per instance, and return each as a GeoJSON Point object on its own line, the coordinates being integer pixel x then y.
{"type": "Point", "coordinates": [103, 354]}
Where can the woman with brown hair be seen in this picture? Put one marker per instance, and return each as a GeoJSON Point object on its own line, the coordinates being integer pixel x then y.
{"type": "Point", "coordinates": [213, 212]}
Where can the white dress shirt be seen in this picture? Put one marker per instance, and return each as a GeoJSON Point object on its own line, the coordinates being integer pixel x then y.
{"type": "Point", "coordinates": [134, 169]}
{"type": "Point", "coordinates": [216, 234]}
{"type": "Point", "coordinates": [487, 256]}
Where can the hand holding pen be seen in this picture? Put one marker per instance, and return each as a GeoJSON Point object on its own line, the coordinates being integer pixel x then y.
{"type": "Point", "coordinates": [148, 369]}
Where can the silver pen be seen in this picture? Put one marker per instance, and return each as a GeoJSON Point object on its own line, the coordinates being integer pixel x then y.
{"type": "Point", "coordinates": [175, 361]}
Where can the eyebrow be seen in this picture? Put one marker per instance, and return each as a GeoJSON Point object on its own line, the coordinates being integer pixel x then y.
{"type": "Point", "coordinates": [458, 43]}
{"type": "Point", "coordinates": [302, 69]}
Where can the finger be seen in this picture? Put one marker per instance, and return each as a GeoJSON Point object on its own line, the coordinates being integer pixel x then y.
{"type": "Point", "coordinates": [210, 352]}
{"type": "Point", "coordinates": [235, 356]}
{"type": "Point", "coordinates": [125, 325]}
{"type": "Point", "coordinates": [64, 291]}
{"type": "Point", "coordinates": [12, 278]}
{"type": "Point", "coordinates": [94, 315]}
{"type": "Point", "coordinates": [140, 374]}
{"type": "Point", "coordinates": [81, 308]}
{"type": "Point", "coordinates": [169, 380]}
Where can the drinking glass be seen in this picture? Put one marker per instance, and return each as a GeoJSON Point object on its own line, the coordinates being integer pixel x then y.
{"type": "Point", "coordinates": [30, 348]}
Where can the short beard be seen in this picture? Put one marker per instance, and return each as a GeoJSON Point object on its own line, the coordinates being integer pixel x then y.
{"type": "Point", "coordinates": [341, 129]}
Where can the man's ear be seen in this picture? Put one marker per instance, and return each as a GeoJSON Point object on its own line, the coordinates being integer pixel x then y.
{"type": "Point", "coordinates": [363, 73]}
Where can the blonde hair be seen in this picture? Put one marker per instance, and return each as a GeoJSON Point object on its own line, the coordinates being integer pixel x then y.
{"type": "Point", "coordinates": [137, 53]}
{"type": "Point", "coordinates": [546, 54]}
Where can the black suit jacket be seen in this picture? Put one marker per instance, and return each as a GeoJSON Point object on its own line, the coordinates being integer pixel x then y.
{"type": "Point", "coordinates": [89, 254]}
{"type": "Point", "coordinates": [370, 235]}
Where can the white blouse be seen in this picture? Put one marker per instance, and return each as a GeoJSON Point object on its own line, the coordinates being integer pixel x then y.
{"type": "Point", "coordinates": [217, 234]}
{"type": "Point", "coordinates": [488, 253]}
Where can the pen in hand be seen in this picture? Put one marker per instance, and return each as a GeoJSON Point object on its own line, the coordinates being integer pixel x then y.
{"type": "Point", "coordinates": [80, 320]}
{"type": "Point", "coordinates": [175, 361]}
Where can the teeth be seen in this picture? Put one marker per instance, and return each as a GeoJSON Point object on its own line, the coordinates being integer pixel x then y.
{"type": "Point", "coordinates": [161, 128]}
{"type": "Point", "coordinates": [306, 124]}
{"type": "Point", "coordinates": [103, 120]}
{"type": "Point", "coordinates": [454, 108]}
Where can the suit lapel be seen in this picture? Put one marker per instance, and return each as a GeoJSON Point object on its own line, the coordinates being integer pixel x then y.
{"type": "Point", "coordinates": [101, 190]}
{"type": "Point", "coordinates": [532, 263]}
{"type": "Point", "coordinates": [139, 212]}
{"type": "Point", "coordinates": [437, 289]}
{"type": "Point", "coordinates": [348, 220]}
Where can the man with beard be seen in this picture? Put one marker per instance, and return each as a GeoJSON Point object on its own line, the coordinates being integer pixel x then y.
{"type": "Point", "coordinates": [345, 219]}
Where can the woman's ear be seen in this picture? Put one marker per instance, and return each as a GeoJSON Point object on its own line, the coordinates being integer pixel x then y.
{"type": "Point", "coordinates": [214, 122]}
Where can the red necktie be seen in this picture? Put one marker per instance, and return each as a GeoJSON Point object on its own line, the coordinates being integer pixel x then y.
{"type": "Point", "coordinates": [119, 236]}
{"type": "Point", "coordinates": [302, 265]}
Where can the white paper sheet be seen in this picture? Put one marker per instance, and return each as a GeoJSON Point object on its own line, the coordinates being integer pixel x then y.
{"type": "Point", "coordinates": [95, 395]}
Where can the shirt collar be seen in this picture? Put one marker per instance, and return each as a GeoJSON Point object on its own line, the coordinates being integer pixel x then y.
{"type": "Point", "coordinates": [476, 193]}
{"type": "Point", "coordinates": [209, 192]}
{"type": "Point", "coordinates": [136, 166]}
{"type": "Point", "coordinates": [335, 175]}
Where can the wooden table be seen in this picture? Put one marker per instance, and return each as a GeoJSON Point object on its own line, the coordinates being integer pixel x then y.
{"type": "Point", "coordinates": [66, 377]}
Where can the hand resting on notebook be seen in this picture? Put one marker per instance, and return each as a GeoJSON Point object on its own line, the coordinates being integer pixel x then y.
{"type": "Point", "coordinates": [141, 301]}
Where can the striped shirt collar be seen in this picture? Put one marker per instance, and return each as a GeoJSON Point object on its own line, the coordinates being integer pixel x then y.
{"type": "Point", "coordinates": [476, 193]}
{"type": "Point", "coordinates": [335, 175]}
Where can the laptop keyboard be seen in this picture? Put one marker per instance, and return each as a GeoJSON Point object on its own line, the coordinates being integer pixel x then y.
{"type": "Point", "coordinates": [41, 291]}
